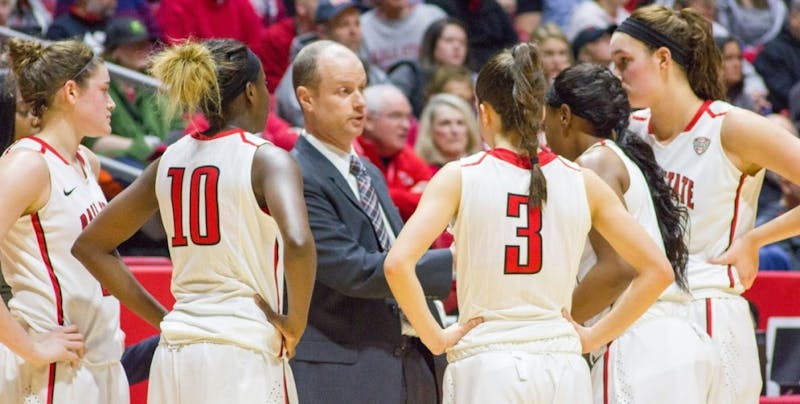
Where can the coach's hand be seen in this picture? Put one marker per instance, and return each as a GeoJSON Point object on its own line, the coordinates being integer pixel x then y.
{"type": "Point", "coordinates": [291, 332]}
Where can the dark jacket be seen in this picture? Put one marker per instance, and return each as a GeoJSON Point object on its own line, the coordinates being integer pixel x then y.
{"type": "Point", "coordinates": [779, 64]}
{"type": "Point", "coordinates": [353, 350]}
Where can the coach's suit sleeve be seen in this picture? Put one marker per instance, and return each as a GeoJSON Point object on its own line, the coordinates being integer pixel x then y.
{"type": "Point", "coordinates": [347, 267]}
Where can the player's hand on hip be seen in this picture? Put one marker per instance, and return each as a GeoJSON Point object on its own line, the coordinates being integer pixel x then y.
{"type": "Point", "coordinates": [291, 332]}
{"type": "Point", "coordinates": [451, 335]}
{"type": "Point", "coordinates": [743, 256]}
{"type": "Point", "coordinates": [62, 344]}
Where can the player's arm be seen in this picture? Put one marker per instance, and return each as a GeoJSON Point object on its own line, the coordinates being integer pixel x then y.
{"type": "Point", "coordinates": [27, 174]}
{"type": "Point", "coordinates": [96, 247]}
{"type": "Point", "coordinates": [631, 241]}
{"type": "Point", "coordinates": [278, 183]}
{"type": "Point", "coordinates": [753, 142]}
{"type": "Point", "coordinates": [438, 205]}
{"type": "Point", "coordinates": [610, 275]}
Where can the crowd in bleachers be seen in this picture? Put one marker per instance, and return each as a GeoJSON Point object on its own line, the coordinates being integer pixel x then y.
{"type": "Point", "coordinates": [421, 59]}
{"type": "Point", "coordinates": [423, 48]}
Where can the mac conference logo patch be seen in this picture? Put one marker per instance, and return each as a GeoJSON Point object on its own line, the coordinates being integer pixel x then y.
{"type": "Point", "coordinates": [701, 144]}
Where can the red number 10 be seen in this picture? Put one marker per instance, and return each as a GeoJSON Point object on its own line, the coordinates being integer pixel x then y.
{"type": "Point", "coordinates": [531, 233]}
{"type": "Point", "coordinates": [211, 175]}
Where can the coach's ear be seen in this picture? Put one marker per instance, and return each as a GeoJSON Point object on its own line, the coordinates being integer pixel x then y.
{"type": "Point", "coordinates": [304, 98]}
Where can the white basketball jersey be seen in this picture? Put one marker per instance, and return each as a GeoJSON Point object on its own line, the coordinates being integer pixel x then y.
{"type": "Point", "coordinates": [721, 199]}
{"type": "Point", "coordinates": [639, 204]}
{"type": "Point", "coordinates": [50, 287]}
{"type": "Point", "coordinates": [224, 248]}
{"type": "Point", "coordinates": [517, 267]}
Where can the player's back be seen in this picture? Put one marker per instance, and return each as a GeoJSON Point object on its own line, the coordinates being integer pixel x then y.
{"type": "Point", "coordinates": [639, 203]}
{"type": "Point", "coordinates": [224, 248]}
{"type": "Point", "coordinates": [517, 267]}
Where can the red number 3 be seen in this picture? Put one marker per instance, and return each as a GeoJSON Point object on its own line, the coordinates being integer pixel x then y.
{"type": "Point", "coordinates": [531, 232]}
{"type": "Point", "coordinates": [210, 202]}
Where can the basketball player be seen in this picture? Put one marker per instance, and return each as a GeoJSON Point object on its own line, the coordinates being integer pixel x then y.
{"type": "Point", "coordinates": [521, 220]}
{"type": "Point", "coordinates": [714, 156]}
{"type": "Point", "coordinates": [52, 194]}
{"type": "Point", "coordinates": [232, 206]}
{"type": "Point", "coordinates": [587, 108]}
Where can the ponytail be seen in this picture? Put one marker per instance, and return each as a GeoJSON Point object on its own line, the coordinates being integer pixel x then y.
{"type": "Point", "coordinates": [672, 217]}
{"type": "Point", "coordinates": [521, 108]}
{"type": "Point", "coordinates": [188, 72]}
{"type": "Point", "coordinates": [205, 77]}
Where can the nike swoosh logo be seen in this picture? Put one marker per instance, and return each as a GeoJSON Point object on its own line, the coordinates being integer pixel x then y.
{"type": "Point", "coordinates": [67, 193]}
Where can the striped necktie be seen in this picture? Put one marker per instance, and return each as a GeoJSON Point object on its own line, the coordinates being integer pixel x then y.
{"type": "Point", "coordinates": [369, 201]}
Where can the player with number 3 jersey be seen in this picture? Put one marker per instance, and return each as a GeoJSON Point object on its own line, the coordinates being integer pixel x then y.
{"type": "Point", "coordinates": [521, 218]}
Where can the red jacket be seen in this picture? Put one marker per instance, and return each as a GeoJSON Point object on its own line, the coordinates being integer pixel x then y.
{"type": "Point", "coordinates": [403, 171]}
{"type": "Point", "coordinates": [236, 19]}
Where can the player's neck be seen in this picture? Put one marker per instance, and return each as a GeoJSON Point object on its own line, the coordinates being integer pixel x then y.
{"type": "Point", "coordinates": [62, 137]}
{"type": "Point", "coordinates": [501, 143]}
{"type": "Point", "coordinates": [669, 118]}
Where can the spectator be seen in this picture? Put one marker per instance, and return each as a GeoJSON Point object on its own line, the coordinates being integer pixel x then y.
{"type": "Point", "coordinates": [456, 80]}
{"type": "Point", "coordinates": [596, 13]}
{"type": "Point", "coordinates": [779, 61]}
{"type": "Point", "coordinates": [138, 124]}
{"type": "Point", "coordinates": [526, 15]}
{"type": "Point", "coordinates": [279, 40]}
{"type": "Point", "coordinates": [554, 48]}
{"type": "Point", "coordinates": [384, 144]}
{"type": "Point", "coordinates": [393, 31]}
{"type": "Point", "coordinates": [236, 19]}
{"type": "Point", "coordinates": [28, 16]}
{"type": "Point", "coordinates": [744, 91]}
{"type": "Point", "coordinates": [448, 131]}
{"type": "Point", "coordinates": [86, 20]}
{"type": "Point", "coordinates": [355, 349]}
{"type": "Point", "coordinates": [489, 28]}
{"type": "Point", "coordinates": [338, 21]}
{"type": "Point", "coordinates": [139, 9]}
{"type": "Point", "coordinates": [444, 44]}
{"type": "Point", "coordinates": [592, 45]}
{"type": "Point", "coordinates": [754, 22]}
{"type": "Point", "coordinates": [708, 9]}
{"type": "Point", "coordinates": [559, 12]}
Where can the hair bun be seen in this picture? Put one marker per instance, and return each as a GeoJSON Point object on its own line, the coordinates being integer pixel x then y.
{"type": "Point", "coordinates": [22, 53]}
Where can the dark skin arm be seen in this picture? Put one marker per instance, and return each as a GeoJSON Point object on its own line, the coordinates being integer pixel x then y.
{"type": "Point", "coordinates": [278, 185]}
{"type": "Point", "coordinates": [611, 275]}
{"type": "Point", "coordinates": [96, 246]}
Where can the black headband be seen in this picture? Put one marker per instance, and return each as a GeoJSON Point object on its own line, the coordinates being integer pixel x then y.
{"type": "Point", "coordinates": [653, 38]}
{"type": "Point", "coordinates": [249, 75]}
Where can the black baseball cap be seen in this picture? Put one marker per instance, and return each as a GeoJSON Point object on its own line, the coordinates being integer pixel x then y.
{"type": "Point", "coordinates": [329, 9]}
{"type": "Point", "coordinates": [589, 35]}
{"type": "Point", "coordinates": [125, 30]}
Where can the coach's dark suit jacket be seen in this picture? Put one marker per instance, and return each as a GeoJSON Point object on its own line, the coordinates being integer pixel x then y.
{"type": "Point", "coordinates": [349, 352]}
